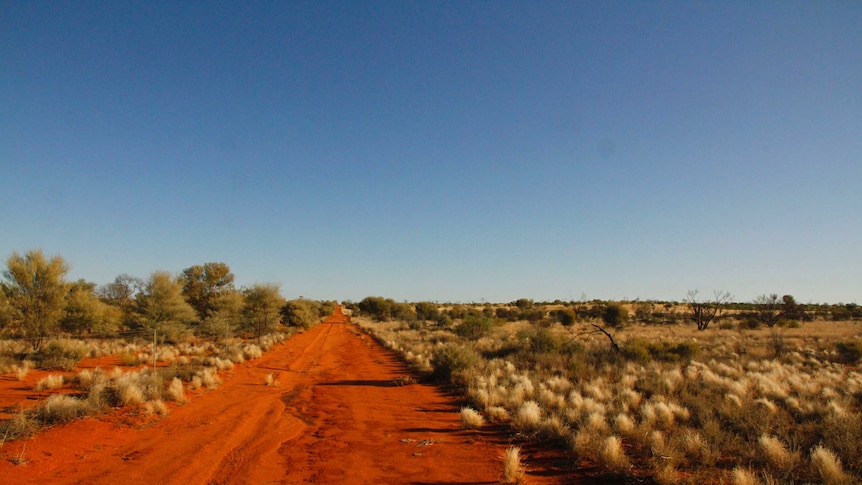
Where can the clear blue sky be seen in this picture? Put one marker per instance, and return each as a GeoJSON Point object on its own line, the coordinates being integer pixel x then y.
{"type": "Point", "coordinates": [451, 151]}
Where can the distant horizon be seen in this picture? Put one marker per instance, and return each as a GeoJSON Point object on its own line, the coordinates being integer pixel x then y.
{"type": "Point", "coordinates": [441, 151]}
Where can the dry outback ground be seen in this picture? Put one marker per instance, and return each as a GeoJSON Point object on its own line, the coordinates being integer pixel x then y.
{"type": "Point", "coordinates": [338, 415]}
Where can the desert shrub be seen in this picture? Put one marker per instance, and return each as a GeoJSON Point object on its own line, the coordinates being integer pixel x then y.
{"type": "Point", "coordinates": [21, 425]}
{"type": "Point", "coordinates": [62, 408]}
{"type": "Point", "coordinates": [301, 313]}
{"type": "Point", "coordinates": [470, 418]}
{"type": "Point", "coordinates": [513, 472]}
{"type": "Point", "coordinates": [613, 457]}
{"type": "Point", "coordinates": [251, 352]}
{"type": "Point", "coordinates": [270, 380]}
{"type": "Point", "coordinates": [615, 315]}
{"type": "Point", "coordinates": [427, 311]}
{"type": "Point", "coordinates": [643, 351]}
{"type": "Point", "coordinates": [565, 316]}
{"type": "Point", "coordinates": [60, 354]}
{"type": "Point", "coordinates": [51, 381]}
{"type": "Point", "coordinates": [450, 361]}
{"type": "Point", "coordinates": [474, 327]}
{"type": "Point", "coordinates": [175, 391]}
{"type": "Point", "coordinates": [828, 467]}
{"type": "Point", "coordinates": [540, 340]}
{"type": "Point", "coordinates": [849, 352]}
{"type": "Point", "coordinates": [528, 418]}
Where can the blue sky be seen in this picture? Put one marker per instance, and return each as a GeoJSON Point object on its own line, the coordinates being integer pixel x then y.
{"type": "Point", "coordinates": [450, 151]}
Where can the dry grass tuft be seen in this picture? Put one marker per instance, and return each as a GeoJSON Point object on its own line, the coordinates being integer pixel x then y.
{"type": "Point", "coordinates": [828, 466]}
{"type": "Point", "coordinates": [52, 381]}
{"type": "Point", "coordinates": [271, 380]}
{"type": "Point", "coordinates": [175, 391]}
{"type": "Point", "coordinates": [513, 471]}
{"type": "Point", "coordinates": [470, 418]}
{"type": "Point", "coordinates": [612, 456]}
{"type": "Point", "coordinates": [744, 476]}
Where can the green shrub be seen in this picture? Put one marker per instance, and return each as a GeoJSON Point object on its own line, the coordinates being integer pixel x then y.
{"type": "Point", "coordinates": [615, 315]}
{"type": "Point", "coordinates": [540, 340]}
{"type": "Point", "coordinates": [474, 327]}
{"type": "Point", "coordinates": [450, 361]}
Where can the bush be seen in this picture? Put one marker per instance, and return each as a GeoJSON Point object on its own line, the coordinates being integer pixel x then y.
{"type": "Point", "coordinates": [61, 354]}
{"type": "Point", "coordinates": [642, 351]}
{"type": "Point", "coordinates": [849, 352]}
{"type": "Point", "coordinates": [615, 315]}
{"type": "Point", "coordinates": [62, 408]}
{"type": "Point", "coordinates": [451, 360]}
{"type": "Point", "coordinates": [474, 327]}
{"type": "Point", "coordinates": [540, 341]}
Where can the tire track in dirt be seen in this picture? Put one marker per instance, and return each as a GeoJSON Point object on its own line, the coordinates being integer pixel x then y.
{"type": "Point", "coordinates": [337, 417]}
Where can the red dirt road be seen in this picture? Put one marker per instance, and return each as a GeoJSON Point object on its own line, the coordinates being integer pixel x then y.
{"type": "Point", "coordinates": [336, 417]}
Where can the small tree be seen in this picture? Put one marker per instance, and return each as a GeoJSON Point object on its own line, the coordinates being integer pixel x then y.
{"type": "Point", "coordinates": [263, 304]}
{"type": "Point", "coordinates": [204, 285]}
{"type": "Point", "coordinates": [768, 309]}
{"type": "Point", "coordinates": [161, 306]}
{"type": "Point", "coordinates": [86, 313]}
{"type": "Point", "coordinates": [35, 291]}
{"type": "Point", "coordinates": [703, 312]}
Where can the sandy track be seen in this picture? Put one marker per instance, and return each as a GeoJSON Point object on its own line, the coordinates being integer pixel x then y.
{"type": "Point", "coordinates": [337, 417]}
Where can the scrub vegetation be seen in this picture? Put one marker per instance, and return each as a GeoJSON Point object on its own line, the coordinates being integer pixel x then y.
{"type": "Point", "coordinates": [698, 391]}
{"type": "Point", "coordinates": [170, 333]}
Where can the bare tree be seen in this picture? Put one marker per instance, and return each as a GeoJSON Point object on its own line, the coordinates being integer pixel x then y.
{"type": "Point", "coordinates": [704, 311]}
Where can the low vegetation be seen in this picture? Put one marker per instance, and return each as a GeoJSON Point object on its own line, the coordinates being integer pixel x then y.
{"type": "Point", "coordinates": [643, 391]}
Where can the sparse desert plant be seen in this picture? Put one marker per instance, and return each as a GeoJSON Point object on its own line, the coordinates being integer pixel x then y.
{"type": "Point", "coordinates": [125, 390]}
{"type": "Point", "coordinates": [62, 408]}
{"type": "Point", "coordinates": [21, 425]}
{"type": "Point", "coordinates": [51, 381]}
{"type": "Point", "coordinates": [744, 476]}
{"type": "Point", "coordinates": [156, 407]}
{"type": "Point", "coordinates": [270, 380]}
{"type": "Point", "coordinates": [513, 471]}
{"type": "Point", "coordinates": [777, 455]}
{"type": "Point", "coordinates": [470, 418]}
{"type": "Point", "coordinates": [61, 354]}
{"type": "Point", "coordinates": [23, 369]}
{"type": "Point", "coordinates": [450, 361]}
{"type": "Point", "coordinates": [666, 474]}
{"type": "Point", "coordinates": [528, 418]}
{"type": "Point", "coordinates": [828, 467]}
{"type": "Point", "coordinates": [209, 378]}
{"type": "Point", "coordinates": [613, 457]}
{"type": "Point", "coordinates": [175, 391]}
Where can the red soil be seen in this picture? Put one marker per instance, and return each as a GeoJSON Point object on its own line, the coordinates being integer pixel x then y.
{"type": "Point", "coordinates": [337, 416]}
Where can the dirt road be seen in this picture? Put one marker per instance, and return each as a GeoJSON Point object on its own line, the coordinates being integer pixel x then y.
{"type": "Point", "coordinates": [337, 416]}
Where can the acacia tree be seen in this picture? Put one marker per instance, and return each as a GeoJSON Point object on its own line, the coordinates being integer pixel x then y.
{"type": "Point", "coordinates": [703, 311]}
{"type": "Point", "coordinates": [160, 306]}
{"type": "Point", "coordinates": [204, 285]}
{"type": "Point", "coordinates": [768, 309]}
{"type": "Point", "coordinates": [120, 293]}
{"type": "Point", "coordinates": [263, 303]}
{"type": "Point", "coordinates": [35, 291]}
{"type": "Point", "coordinates": [86, 313]}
